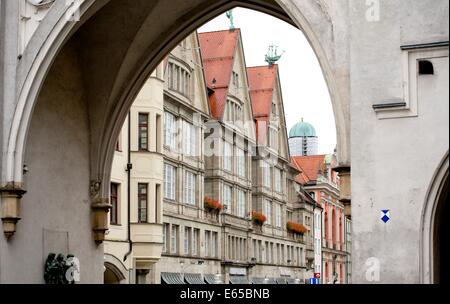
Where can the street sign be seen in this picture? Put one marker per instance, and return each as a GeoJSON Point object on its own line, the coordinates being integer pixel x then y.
{"type": "Point", "coordinates": [314, 281]}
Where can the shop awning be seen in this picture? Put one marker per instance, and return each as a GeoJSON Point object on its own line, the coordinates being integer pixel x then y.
{"type": "Point", "coordinates": [172, 278]}
{"type": "Point", "coordinates": [258, 281]}
{"type": "Point", "coordinates": [210, 279]}
{"type": "Point", "coordinates": [194, 278]}
{"type": "Point", "coordinates": [239, 280]}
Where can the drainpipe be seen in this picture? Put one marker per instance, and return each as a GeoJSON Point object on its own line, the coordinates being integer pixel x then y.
{"type": "Point", "coordinates": [129, 168]}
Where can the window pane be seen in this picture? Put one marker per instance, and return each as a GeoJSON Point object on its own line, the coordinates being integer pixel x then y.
{"type": "Point", "coordinates": [143, 131]}
{"type": "Point", "coordinates": [114, 203]}
{"type": "Point", "coordinates": [142, 203]}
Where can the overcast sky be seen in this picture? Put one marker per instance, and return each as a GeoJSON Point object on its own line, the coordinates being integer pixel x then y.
{"type": "Point", "coordinates": [305, 93]}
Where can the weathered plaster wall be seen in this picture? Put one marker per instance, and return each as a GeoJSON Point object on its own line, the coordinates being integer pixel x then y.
{"type": "Point", "coordinates": [55, 213]}
{"type": "Point", "coordinates": [393, 160]}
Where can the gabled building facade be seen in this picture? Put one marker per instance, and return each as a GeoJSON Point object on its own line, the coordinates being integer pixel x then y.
{"type": "Point", "coordinates": [322, 183]}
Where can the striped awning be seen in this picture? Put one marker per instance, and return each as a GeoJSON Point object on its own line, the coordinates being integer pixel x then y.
{"type": "Point", "coordinates": [172, 278]}
{"type": "Point", "coordinates": [258, 281]}
{"type": "Point", "coordinates": [239, 280]}
{"type": "Point", "coordinates": [194, 278]}
{"type": "Point", "coordinates": [210, 279]}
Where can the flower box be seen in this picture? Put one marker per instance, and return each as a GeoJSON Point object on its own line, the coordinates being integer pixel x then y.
{"type": "Point", "coordinates": [296, 228]}
{"type": "Point", "coordinates": [212, 205]}
{"type": "Point", "coordinates": [258, 218]}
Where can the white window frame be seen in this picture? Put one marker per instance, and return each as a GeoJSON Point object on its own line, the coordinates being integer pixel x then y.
{"type": "Point", "coordinates": [268, 211]}
{"type": "Point", "coordinates": [227, 197]}
{"type": "Point", "coordinates": [241, 162]}
{"type": "Point", "coordinates": [190, 188]}
{"type": "Point", "coordinates": [278, 216]}
{"type": "Point", "coordinates": [170, 131]}
{"type": "Point", "coordinates": [228, 156]}
{"type": "Point", "coordinates": [242, 204]}
{"type": "Point", "coordinates": [170, 182]}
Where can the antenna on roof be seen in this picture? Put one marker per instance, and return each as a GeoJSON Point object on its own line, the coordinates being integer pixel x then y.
{"type": "Point", "coordinates": [272, 55]}
{"type": "Point", "coordinates": [231, 17]}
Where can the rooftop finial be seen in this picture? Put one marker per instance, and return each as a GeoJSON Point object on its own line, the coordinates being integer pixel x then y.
{"type": "Point", "coordinates": [272, 55]}
{"type": "Point", "coordinates": [231, 17]}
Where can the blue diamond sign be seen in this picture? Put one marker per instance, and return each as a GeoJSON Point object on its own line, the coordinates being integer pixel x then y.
{"type": "Point", "coordinates": [386, 216]}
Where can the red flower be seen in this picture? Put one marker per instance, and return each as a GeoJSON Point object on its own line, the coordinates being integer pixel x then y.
{"type": "Point", "coordinates": [212, 204]}
{"type": "Point", "coordinates": [259, 218]}
{"type": "Point", "coordinates": [296, 228]}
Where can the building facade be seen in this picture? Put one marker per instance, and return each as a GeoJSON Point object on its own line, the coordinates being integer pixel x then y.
{"type": "Point", "coordinates": [322, 183]}
{"type": "Point", "coordinates": [195, 218]}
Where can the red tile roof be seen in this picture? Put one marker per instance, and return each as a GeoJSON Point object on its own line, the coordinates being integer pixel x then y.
{"type": "Point", "coordinates": [262, 81]}
{"type": "Point", "coordinates": [309, 166]}
{"type": "Point", "coordinates": [218, 52]}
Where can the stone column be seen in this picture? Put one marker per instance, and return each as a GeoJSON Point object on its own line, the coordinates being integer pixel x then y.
{"type": "Point", "coordinates": [345, 187]}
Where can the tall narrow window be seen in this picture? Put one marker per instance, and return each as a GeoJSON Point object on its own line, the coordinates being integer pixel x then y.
{"type": "Point", "coordinates": [143, 203]}
{"type": "Point", "coordinates": [267, 176]}
{"type": "Point", "coordinates": [227, 193]}
{"type": "Point", "coordinates": [170, 131]}
{"type": "Point", "coordinates": [214, 244]}
{"type": "Point", "coordinates": [242, 202]}
{"type": "Point", "coordinates": [190, 188]}
{"type": "Point", "coordinates": [143, 132]}
{"type": "Point", "coordinates": [228, 157]}
{"type": "Point", "coordinates": [114, 213]}
{"type": "Point", "coordinates": [241, 167]}
{"type": "Point", "coordinates": [157, 203]}
{"type": "Point", "coordinates": [165, 238]}
{"type": "Point", "coordinates": [268, 211]}
{"type": "Point", "coordinates": [208, 243]}
{"type": "Point", "coordinates": [190, 139]}
{"type": "Point", "coordinates": [278, 182]}
{"type": "Point", "coordinates": [174, 239]}
{"type": "Point", "coordinates": [187, 240]}
{"type": "Point", "coordinates": [169, 182]}
{"type": "Point", "coordinates": [158, 134]}
{"type": "Point", "coordinates": [278, 217]}
{"type": "Point", "coordinates": [195, 241]}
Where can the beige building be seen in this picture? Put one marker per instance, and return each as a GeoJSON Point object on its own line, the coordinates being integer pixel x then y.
{"type": "Point", "coordinates": [198, 172]}
{"type": "Point", "coordinates": [134, 242]}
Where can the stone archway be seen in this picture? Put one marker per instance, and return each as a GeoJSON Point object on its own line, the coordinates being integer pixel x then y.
{"type": "Point", "coordinates": [435, 229]}
{"type": "Point", "coordinates": [115, 272]}
{"type": "Point", "coordinates": [76, 82]}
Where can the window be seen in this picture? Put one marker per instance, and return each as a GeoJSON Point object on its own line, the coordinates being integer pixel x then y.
{"type": "Point", "coordinates": [165, 238]}
{"type": "Point", "coordinates": [179, 79]}
{"type": "Point", "coordinates": [267, 176]}
{"type": "Point", "coordinates": [190, 139]}
{"type": "Point", "coordinates": [241, 166]}
{"type": "Point", "coordinates": [143, 203]}
{"type": "Point", "coordinates": [143, 132]}
{"type": "Point", "coordinates": [174, 239]}
{"type": "Point", "coordinates": [273, 138]}
{"type": "Point", "coordinates": [236, 79]}
{"type": "Point", "coordinates": [227, 195]}
{"type": "Point", "coordinates": [268, 211]}
{"type": "Point", "coordinates": [114, 213]}
{"type": "Point", "coordinates": [278, 183]}
{"type": "Point", "coordinates": [195, 243]}
{"type": "Point", "coordinates": [278, 219]}
{"type": "Point", "coordinates": [189, 188]}
{"type": "Point", "coordinates": [170, 131]}
{"type": "Point", "coordinates": [242, 201]}
{"type": "Point", "coordinates": [214, 243]}
{"type": "Point", "coordinates": [187, 240]}
{"type": "Point", "coordinates": [208, 243]}
{"type": "Point", "coordinates": [228, 157]}
{"type": "Point", "coordinates": [169, 182]}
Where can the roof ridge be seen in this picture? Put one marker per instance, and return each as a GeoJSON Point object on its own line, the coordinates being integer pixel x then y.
{"type": "Point", "coordinates": [220, 31]}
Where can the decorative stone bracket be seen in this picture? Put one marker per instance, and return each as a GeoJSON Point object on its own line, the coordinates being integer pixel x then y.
{"type": "Point", "coordinates": [100, 209]}
{"type": "Point", "coordinates": [10, 208]}
{"type": "Point", "coordinates": [346, 188]}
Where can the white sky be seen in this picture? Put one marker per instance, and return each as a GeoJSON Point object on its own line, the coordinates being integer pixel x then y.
{"type": "Point", "coordinates": [305, 93]}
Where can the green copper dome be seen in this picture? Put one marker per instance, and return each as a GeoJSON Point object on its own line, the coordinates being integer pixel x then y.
{"type": "Point", "coordinates": [302, 129]}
